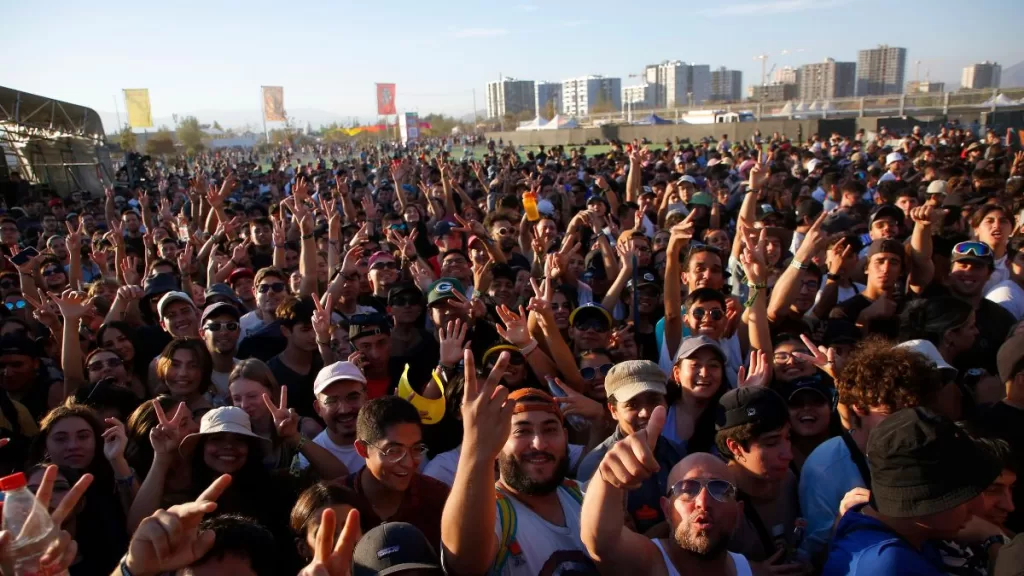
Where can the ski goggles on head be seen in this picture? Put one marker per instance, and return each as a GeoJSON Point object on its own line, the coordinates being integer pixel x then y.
{"type": "Point", "coordinates": [972, 248]}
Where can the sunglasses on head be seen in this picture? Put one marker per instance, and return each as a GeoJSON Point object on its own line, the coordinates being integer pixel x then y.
{"type": "Point", "coordinates": [109, 363]}
{"type": "Point", "coordinates": [218, 326]}
{"type": "Point", "coordinates": [589, 373]}
{"type": "Point", "coordinates": [715, 313]}
{"type": "Point", "coordinates": [275, 286]}
{"type": "Point", "coordinates": [688, 490]}
{"type": "Point", "coordinates": [384, 266]}
{"type": "Point", "coordinates": [20, 304]}
{"type": "Point", "coordinates": [972, 248]}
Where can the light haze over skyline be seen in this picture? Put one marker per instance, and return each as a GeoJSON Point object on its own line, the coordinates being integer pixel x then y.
{"type": "Point", "coordinates": [211, 57]}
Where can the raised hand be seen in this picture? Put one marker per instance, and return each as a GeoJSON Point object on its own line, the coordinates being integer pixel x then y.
{"type": "Point", "coordinates": [286, 420]}
{"type": "Point", "coordinates": [421, 275]}
{"type": "Point", "coordinates": [330, 559]}
{"type": "Point", "coordinates": [471, 227]}
{"type": "Point", "coordinates": [322, 318]}
{"type": "Point", "coordinates": [452, 342]}
{"type": "Point", "coordinates": [753, 259]}
{"type": "Point", "coordinates": [814, 240]}
{"type": "Point", "coordinates": [170, 539]}
{"type": "Point", "coordinates": [927, 215]}
{"type": "Point", "coordinates": [130, 270]}
{"type": "Point", "coordinates": [838, 252]}
{"type": "Point", "coordinates": [166, 436]}
{"type": "Point", "coordinates": [185, 259]}
{"type": "Point", "coordinates": [348, 264]}
{"type": "Point", "coordinates": [72, 304]}
{"type": "Point", "coordinates": [278, 236]}
{"type": "Point", "coordinates": [486, 414]}
{"type": "Point", "coordinates": [759, 173]}
{"type": "Point", "coordinates": [575, 403]}
{"type": "Point", "coordinates": [824, 358]}
{"type": "Point", "coordinates": [516, 330]}
{"type": "Point", "coordinates": [130, 292]}
{"type": "Point", "coordinates": [62, 552]}
{"type": "Point", "coordinates": [241, 251]}
{"type": "Point", "coordinates": [631, 460]}
{"type": "Point", "coordinates": [114, 440]}
{"type": "Point", "coordinates": [541, 302]}
{"type": "Point", "coordinates": [760, 371]}
{"type": "Point", "coordinates": [74, 239]}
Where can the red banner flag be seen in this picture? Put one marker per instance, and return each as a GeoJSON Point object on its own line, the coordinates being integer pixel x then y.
{"type": "Point", "coordinates": [386, 99]}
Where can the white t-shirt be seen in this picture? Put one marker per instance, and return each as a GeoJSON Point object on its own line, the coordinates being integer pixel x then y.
{"type": "Point", "coordinates": [347, 454]}
{"type": "Point", "coordinates": [220, 382]}
{"type": "Point", "coordinates": [1009, 295]}
{"type": "Point", "coordinates": [999, 274]}
{"type": "Point", "coordinates": [248, 324]}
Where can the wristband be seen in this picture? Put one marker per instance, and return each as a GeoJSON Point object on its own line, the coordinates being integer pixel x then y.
{"type": "Point", "coordinates": [832, 277]}
{"type": "Point", "coordinates": [525, 350]}
{"type": "Point", "coordinates": [798, 264]}
{"type": "Point", "coordinates": [307, 236]}
{"type": "Point", "coordinates": [124, 566]}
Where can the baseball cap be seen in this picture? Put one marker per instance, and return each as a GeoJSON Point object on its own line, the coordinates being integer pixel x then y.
{"type": "Point", "coordinates": [973, 251]}
{"type": "Point", "coordinates": [361, 325]}
{"type": "Point", "coordinates": [590, 310]}
{"type": "Point", "coordinates": [631, 378]}
{"type": "Point", "coordinates": [220, 308]}
{"type": "Point", "coordinates": [893, 157]}
{"type": "Point", "coordinates": [929, 351]}
{"type": "Point", "coordinates": [922, 463]}
{"type": "Point", "coordinates": [220, 290]}
{"type": "Point", "coordinates": [936, 187]}
{"type": "Point", "coordinates": [18, 344]}
{"type": "Point", "coordinates": [647, 190]}
{"type": "Point", "coordinates": [1010, 358]}
{"type": "Point", "coordinates": [813, 164]}
{"type": "Point", "coordinates": [530, 399]}
{"type": "Point", "coordinates": [756, 405]}
{"type": "Point", "coordinates": [687, 179]}
{"type": "Point", "coordinates": [840, 331]}
{"type": "Point", "coordinates": [160, 284]}
{"type": "Point", "coordinates": [393, 548]}
{"type": "Point", "coordinates": [169, 298]}
{"type": "Point", "coordinates": [239, 273]}
{"type": "Point", "coordinates": [814, 383]}
{"type": "Point", "coordinates": [700, 199]}
{"type": "Point", "coordinates": [838, 222]}
{"type": "Point", "coordinates": [809, 208]}
{"type": "Point", "coordinates": [405, 288]}
{"type": "Point", "coordinates": [644, 279]}
{"type": "Point", "coordinates": [336, 372]}
{"type": "Point", "coordinates": [886, 211]}
{"type": "Point", "coordinates": [693, 344]}
{"type": "Point", "coordinates": [378, 256]}
{"type": "Point", "coordinates": [885, 246]}
{"type": "Point", "coordinates": [443, 289]}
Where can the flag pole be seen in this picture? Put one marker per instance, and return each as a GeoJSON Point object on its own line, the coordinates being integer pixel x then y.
{"type": "Point", "coordinates": [263, 109]}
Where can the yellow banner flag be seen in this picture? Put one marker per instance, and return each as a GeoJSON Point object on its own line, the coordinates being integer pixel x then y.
{"type": "Point", "coordinates": [273, 104]}
{"type": "Point", "coordinates": [136, 101]}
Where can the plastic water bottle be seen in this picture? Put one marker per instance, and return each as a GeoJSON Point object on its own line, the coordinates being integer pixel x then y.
{"type": "Point", "coordinates": [30, 526]}
{"type": "Point", "coordinates": [530, 206]}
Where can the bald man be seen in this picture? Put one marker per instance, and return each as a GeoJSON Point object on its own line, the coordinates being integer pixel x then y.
{"type": "Point", "coordinates": [701, 509]}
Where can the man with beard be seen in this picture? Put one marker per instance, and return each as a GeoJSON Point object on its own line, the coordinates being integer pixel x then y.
{"type": "Point", "coordinates": [753, 437]}
{"type": "Point", "coordinates": [219, 330]}
{"type": "Point", "coordinates": [700, 506]}
{"type": "Point", "coordinates": [635, 388]}
{"type": "Point", "coordinates": [340, 391]}
{"type": "Point", "coordinates": [527, 523]}
{"type": "Point", "coordinates": [499, 226]}
{"type": "Point", "coordinates": [383, 275]}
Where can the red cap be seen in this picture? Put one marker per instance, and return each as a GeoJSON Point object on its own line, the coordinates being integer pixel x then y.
{"type": "Point", "coordinates": [238, 273]}
{"type": "Point", "coordinates": [13, 482]}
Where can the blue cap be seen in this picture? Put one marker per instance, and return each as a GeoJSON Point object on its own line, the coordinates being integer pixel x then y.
{"type": "Point", "coordinates": [443, 228]}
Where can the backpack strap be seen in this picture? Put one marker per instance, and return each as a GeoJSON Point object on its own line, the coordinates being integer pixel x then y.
{"type": "Point", "coordinates": [507, 520]}
{"type": "Point", "coordinates": [858, 459]}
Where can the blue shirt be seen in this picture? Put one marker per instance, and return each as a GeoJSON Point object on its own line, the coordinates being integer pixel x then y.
{"type": "Point", "coordinates": [827, 475]}
{"type": "Point", "coordinates": [863, 546]}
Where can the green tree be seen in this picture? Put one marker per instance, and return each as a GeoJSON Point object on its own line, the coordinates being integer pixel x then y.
{"type": "Point", "coordinates": [603, 105]}
{"type": "Point", "coordinates": [128, 139]}
{"type": "Point", "coordinates": [216, 126]}
{"type": "Point", "coordinates": [190, 134]}
{"type": "Point", "coordinates": [548, 111]}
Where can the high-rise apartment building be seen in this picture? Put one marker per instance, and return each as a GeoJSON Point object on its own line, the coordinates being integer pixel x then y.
{"type": "Point", "coordinates": [982, 75]}
{"type": "Point", "coordinates": [639, 97]}
{"type": "Point", "coordinates": [510, 96]}
{"type": "Point", "coordinates": [546, 93]}
{"type": "Point", "coordinates": [774, 92]}
{"type": "Point", "coordinates": [726, 85]}
{"type": "Point", "coordinates": [925, 87]}
{"type": "Point", "coordinates": [677, 84]}
{"type": "Point", "coordinates": [880, 70]}
{"type": "Point", "coordinates": [786, 75]}
{"type": "Point", "coordinates": [827, 80]}
{"type": "Point", "coordinates": [591, 94]}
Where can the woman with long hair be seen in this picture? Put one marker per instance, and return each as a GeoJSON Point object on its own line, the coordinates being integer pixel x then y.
{"type": "Point", "coordinates": [946, 322]}
{"type": "Point", "coordinates": [185, 368]}
{"type": "Point", "coordinates": [73, 437]}
{"type": "Point", "coordinates": [120, 337]}
{"type": "Point", "coordinates": [252, 387]}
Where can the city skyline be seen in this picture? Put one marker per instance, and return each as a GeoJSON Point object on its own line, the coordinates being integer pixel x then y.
{"type": "Point", "coordinates": [439, 55]}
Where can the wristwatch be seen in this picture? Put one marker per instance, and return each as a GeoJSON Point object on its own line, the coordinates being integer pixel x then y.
{"type": "Point", "coordinates": [832, 277]}
{"type": "Point", "coordinates": [124, 566]}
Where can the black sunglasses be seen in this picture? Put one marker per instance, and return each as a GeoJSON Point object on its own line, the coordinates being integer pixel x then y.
{"type": "Point", "coordinates": [218, 326]}
{"type": "Point", "coordinates": [589, 373]}
{"type": "Point", "coordinates": [405, 301]}
{"type": "Point", "coordinates": [384, 266]}
{"type": "Point", "coordinates": [715, 313]}
{"type": "Point", "coordinates": [275, 286]}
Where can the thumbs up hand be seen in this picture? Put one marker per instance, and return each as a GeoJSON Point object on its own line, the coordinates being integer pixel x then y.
{"type": "Point", "coordinates": [631, 461]}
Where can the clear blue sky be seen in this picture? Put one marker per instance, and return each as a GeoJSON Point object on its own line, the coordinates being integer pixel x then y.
{"type": "Point", "coordinates": [213, 55]}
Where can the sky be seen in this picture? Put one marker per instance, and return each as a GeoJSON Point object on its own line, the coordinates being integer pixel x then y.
{"type": "Point", "coordinates": [210, 58]}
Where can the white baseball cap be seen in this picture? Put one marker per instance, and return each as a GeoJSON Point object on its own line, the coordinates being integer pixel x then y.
{"type": "Point", "coordinates": [813, 164]}
{"type": "Point", "coordinates": [893, 157]}
{"type": "Point", "coordinates": [337, 372]}
{"type": "Point", "coordinates": [169, 297]}
{"type": "Point", "coordinates": [937, 187]}
{"type": "Point", "coordinates": [929, 351]}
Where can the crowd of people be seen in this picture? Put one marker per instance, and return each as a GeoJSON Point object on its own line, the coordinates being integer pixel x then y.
{"type": "Point", "coordinates": [767, 356]}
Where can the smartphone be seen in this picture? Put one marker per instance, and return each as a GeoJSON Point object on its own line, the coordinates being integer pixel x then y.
{"type": "Point", "coordinates": [24, 256]}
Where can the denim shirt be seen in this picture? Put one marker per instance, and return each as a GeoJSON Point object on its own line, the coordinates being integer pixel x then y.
{"type": "Point", "coordinates": [643, 503]}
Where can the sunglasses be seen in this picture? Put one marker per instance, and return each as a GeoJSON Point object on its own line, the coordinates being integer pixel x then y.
{"type": "Point", "coordinates": [8, 284]}
{"type": "Point", "coordinates": [715, 313]}
{"type": "Point", "coordinates": [384, 266]}
{"type": "Point", "coordinates": [20, 305]}
{"type": "Point", "coordinates": [514, 359]}
{"type": "Point", "coordinates": [406, 301]}
{"type": "Point", "coordinates": [51, 271]}
{"type": "Point", "coordinates": [99, 364]}
{"type": "Point", "coordinates": [275, 286]}
{"type": "Point", "coordinates": [505, 231]}
{"type": "Point", "coordinates": [690, 489]}
{"type": "Point", "coordinates": [972, 248]}
{"type": "Point", "coordinates": [591, 373]}
{"type": "Point", "coordinates": [218, 326]}
{"type": "Point", "coordinates": [595, 325]}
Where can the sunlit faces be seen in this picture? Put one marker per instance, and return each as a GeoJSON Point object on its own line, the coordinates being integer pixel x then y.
{"type": "Point", "coordinates": [788, 367]}
{"type": "Point", "coordinates": [809, 413]}
{"type": "Point", "coordinates": [106, 364]}
{"type": "Point", "coordinates": [768, 456]}
{"type": "Point", "coordinates": [884, 270]}
{"type": "Point", "coordinates": [338, 405]}
{"type": "Point", "coordinates": [701, 524]}
{"type": "Point", "coordinates": [180, 319]}
{"type": "Point", "coordinates": [704, 270]}
{"type": "Point", "coordinates": [534, 459]}
{"type": "Point", "coordinates": [995, 228]}
{"type": "Point", "coordinates": [114, 339]}
{"type": "Point", "coordinates": [967, 278]}
{"type": "Point", "coordinates": [220, 332]}
{"type": "Point", "coordinates": [184, 376]}
{"type": "Point", "coordinates": [701, 374]}
{"type": "Point", "coordinates": [706, 318]}
{"type": "Point", "coordinates": [633, 414]}
{"type": "Point", "coordinates": [394, 459]}
{"type": "Point", "coordinates": [71, 443]}
{"type": "Point", "coordinates": [248, 394]}
{"type": "Point", "coordinates": [270, 292]}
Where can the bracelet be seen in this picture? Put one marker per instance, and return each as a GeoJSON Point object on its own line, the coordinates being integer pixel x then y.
{"type": "Point", "coordinates": [124, 566]}
{"type": "Point", "coordinates": [832, 277]}
{"type": "Point", "coordinates": [328, 343]}
{"type": "Point", "coordinates": [798, 264]}
{"type": "Point", "coordinates": [307, 236]}
{"type": "Point", "coordinates": [755, 289]}
{"type": "Point", "coordinates": [333, 242]}
{"type": "Point", "coordinates": [127, 480]}
{"type": "Point", "coordinates": [525, 350]}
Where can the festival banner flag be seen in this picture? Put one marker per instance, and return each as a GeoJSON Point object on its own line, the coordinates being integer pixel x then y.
{"type": "Point", "coordinates": [386, 99]}
{"type": "Point", "coordinates": [273, 104]}
{"type": "Point", "coordinates": [136, 102]}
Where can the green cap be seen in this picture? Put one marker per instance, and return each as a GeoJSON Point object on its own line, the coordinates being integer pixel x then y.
{"type": "Point", "coordinates": [701, 199]}
{"type": "Point", "coordinates": [443, 289]}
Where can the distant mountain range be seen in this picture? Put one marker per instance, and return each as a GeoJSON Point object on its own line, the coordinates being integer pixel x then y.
{"type": "Point", "coordinates": [1013, 76]}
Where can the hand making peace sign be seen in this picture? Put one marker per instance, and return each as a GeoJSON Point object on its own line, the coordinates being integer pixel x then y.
{"type": "Point", "coordinates": [286, 420]}
{"type": "Point", "coordinates": [330, 559]}
{"type": "Point", "coordinates": [166, 436]}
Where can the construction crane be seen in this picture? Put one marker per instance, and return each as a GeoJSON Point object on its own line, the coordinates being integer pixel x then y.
{"type": "Point", "coordinates": [770, 70]}
{"type": "Point", "coordinates": [764, 62]}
